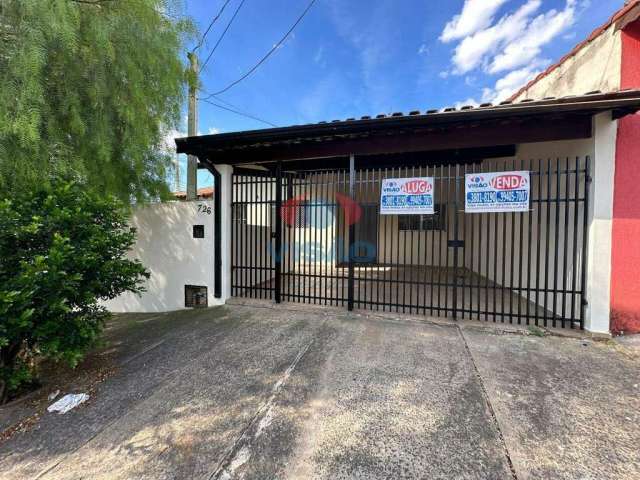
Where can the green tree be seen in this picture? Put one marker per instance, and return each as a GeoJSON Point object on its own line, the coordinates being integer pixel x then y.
{"type": "Point", "coordinates": [62, 250]}
{"type": "Point", "coordinates": [90, 87]}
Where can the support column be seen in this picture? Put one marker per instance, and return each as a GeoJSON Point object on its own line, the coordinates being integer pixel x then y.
{"type": "Point", "coordinates": [225, 187]}
{"type": "Point", "coordinates": [625, 261]}
{"type": "Point", "coordinates": [600, 222]}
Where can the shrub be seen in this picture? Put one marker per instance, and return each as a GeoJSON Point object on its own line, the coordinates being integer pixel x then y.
{"type": "Point", "coordinates": [62, 250]}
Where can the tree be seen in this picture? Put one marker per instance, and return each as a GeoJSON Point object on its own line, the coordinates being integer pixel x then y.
{"type": "Point", "coordinates": [89, 87]}
{"type": "Point", "coordinates": [62, 251]}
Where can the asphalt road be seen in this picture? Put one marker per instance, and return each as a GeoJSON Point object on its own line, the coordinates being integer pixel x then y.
{"type": "Point", "coordinates": [292, 392]}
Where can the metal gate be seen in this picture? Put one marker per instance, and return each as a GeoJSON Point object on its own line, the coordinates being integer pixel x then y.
{"type": "Point", "coordinates": [317, 237]}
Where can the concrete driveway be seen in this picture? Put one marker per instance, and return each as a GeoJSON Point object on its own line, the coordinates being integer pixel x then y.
{"type": "Point", "coordinates": [301, 392]}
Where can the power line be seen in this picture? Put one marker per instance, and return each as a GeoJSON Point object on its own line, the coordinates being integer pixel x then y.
{"type": "Point", "coordinates": [269, 53]}
{"type": "Point", "coordinates": [215, 19]}
{"type": "Point", "coordinates": [222, 35]}
{"type": "Point", "coordinates": [237, 112]}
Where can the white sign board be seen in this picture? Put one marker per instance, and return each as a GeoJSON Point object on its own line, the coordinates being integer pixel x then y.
{"type": "Point", "coordinates": [497, 192]}
{"type": "Point", "coordinates": [407, 196]}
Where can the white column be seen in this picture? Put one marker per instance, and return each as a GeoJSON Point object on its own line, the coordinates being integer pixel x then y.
{"type": "Point", "coordinates": [600, 222]}
{"type": "Point", "coordinates": [225, 219]}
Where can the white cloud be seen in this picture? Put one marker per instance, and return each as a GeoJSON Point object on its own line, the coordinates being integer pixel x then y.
{"type": "Point", "coordinates": [510, 46]}
{"type": "Point", "coordinates": [423, 49]}
{"type": "Point", "coordinates": [510, 83]}
{"type": "Point", "coordinates": [475, 15]}
{"type": "Point", "coordinates": [540, 31]}
{"type": "Point", "coordinates": [213, 131]}
{"type": "Point", "coordinates": [473, 49]}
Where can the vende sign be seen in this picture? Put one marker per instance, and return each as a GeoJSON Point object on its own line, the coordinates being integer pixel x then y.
{"type": "Point", "coordinates": [497, 192]}
{"type": "Point", "coordinates": [407, 196]}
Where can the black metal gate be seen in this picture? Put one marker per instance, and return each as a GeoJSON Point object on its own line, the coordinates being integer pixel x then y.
{"type": "Point", "coordinates": [317, 237]}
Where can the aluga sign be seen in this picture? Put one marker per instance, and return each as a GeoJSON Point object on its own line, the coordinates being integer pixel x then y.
{"type": "Point", "coordinates": [497, 192]}
{"type": "Point", "coordinates": [407, 196]}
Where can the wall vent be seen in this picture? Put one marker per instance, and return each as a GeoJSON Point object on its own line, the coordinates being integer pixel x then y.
{"type": "Point", "coordinates": [195, 296]}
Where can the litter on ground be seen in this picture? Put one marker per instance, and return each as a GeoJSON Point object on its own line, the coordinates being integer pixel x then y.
{"type": "Point", "coordinates": [68, 402]}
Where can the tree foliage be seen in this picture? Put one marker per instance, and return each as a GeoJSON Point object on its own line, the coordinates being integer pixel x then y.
{"type": "Point", "coordinates": [62, 250]}
{"type": "Point", "coordinates": [90, 87]}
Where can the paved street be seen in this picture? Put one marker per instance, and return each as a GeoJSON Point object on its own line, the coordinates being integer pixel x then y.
{"type": "Point", "coordinates": [306, 392]}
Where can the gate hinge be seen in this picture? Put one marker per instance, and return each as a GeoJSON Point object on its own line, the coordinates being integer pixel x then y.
{"type": "Point", "coordinates": [588, 179]}
{"type": "Point", "coordinates": [584, 302]}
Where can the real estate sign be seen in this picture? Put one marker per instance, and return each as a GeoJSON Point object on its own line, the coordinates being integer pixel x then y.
{"type": "Point", "coordinates": [407, 196]}
{"type": "Point", "coordinates": [497, 192]}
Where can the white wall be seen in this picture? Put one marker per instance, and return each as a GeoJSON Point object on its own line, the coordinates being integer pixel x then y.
{"type": "Point", "coordinates": [166, 247]}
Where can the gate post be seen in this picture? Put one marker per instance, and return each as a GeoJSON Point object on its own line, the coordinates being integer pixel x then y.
{"type": "Point", "coordinates": [278, 234]}
{"type": "Point", "coordinates": [224, 233]}
{"type": "Point", "coordinates": [352, 233]}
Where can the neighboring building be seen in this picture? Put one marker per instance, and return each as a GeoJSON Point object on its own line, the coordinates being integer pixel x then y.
{"type": "Point", "coordinates": [204, 193]}
{"type": "Point", "coordinates": [609, 60]}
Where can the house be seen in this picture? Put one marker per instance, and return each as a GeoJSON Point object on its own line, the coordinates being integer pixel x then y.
{"type": "Point", "coordinates": [500, 213]}
{"type": "Point", "coordinates": [204, 193]}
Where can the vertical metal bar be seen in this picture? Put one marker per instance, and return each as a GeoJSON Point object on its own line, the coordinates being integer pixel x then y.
{"type": "Point", "coordinates": [503, 259]}
{"type": "Point", "coordinates": [465, 228]}
{"type": "Point", "coordinates": [411, 265]}
{"type": "Point", "coordinates": [395, 276]}
{"type": "Point", "coordinates": [388, 251]}
{"type": "Point", "coordinates": [556, 247]}
{"type": "Point", "coordinates": [487, 217]}
{"type": "Point", "coordinates": [539, 237]}
{"type": "Point", "coordinates": [585, 226]}
{"type": "Point", "coordinates": [496, 249]}
{"type": "Point", "coordinates": [278, 234]}
{"type": "Point", "coordinates": [446, 245]}
{"type": "Point", "coordinates": [574, 266]}
{"type": "Point", "coordinates": [566, 242]}
{"type": "Point", "coordinates": [352, 171]}
{"type": "Point", "coordinates": [520, 252]}
{"type": "Point", "coordinates": [474, 277]}
{"type": "Point", "coordinates": [432, 264]}
{"type": "Point", "coordinates": [529, 226]}
{"type": "Point", "coordinates": [513, 259]}
{"type": "Point", "coordinates": [455, 238]}
{"type": "Point", "coordinates": [547, 242]}
{"type": "Point", "coordinates": [421, 268]}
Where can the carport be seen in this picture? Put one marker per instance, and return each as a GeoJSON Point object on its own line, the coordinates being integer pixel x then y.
{"type": "Point", "coordinates": [298, 212]}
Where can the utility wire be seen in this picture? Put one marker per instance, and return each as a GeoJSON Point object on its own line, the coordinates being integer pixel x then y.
{"type": "Point", "coordinates": [237, 112]}
{"type": "Point", "coordinates": [222, 35]}
{"type": "Point", "coordinates": [269, 53]}
{"type": "Point", "coordinates": [215, 19]}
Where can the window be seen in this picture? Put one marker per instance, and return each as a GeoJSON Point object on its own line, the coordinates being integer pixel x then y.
{"type": "Point", "coordinates": [195, 296]}
{"type": "Point", "coordinates": [198, 231]}
{"type": "Point", "coordinates": [423, 223]}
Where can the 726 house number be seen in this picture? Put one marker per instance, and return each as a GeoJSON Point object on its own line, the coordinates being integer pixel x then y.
{"type": "Point", "coordinates": [202, 208]}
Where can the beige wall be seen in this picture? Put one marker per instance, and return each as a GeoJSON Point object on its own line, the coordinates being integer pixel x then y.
{"type": "Point", "coordinates": [596, 66]}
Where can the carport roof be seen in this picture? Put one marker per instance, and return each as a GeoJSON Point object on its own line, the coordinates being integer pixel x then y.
{"type": "Point", "coordinates": [434, 130]}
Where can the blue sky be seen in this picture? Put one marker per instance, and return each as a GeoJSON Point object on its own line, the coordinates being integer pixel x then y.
{"type": "Point", "coordinates": [349, 58]}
